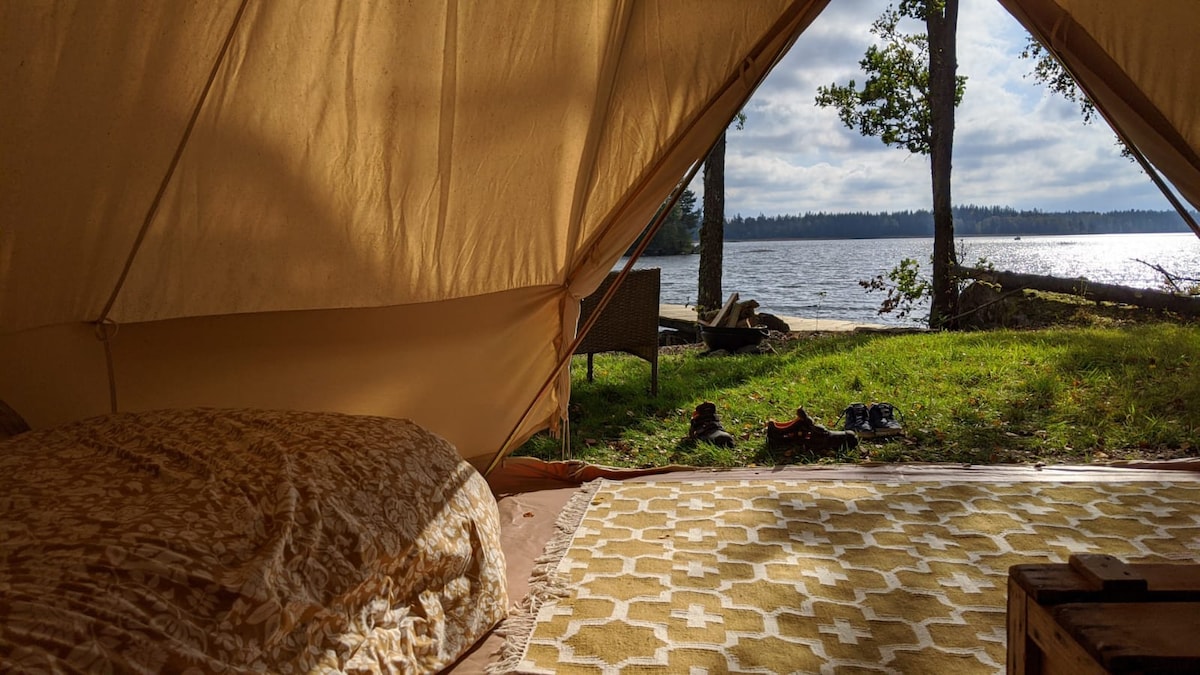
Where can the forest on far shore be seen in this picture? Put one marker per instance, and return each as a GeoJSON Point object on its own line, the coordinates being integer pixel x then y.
{"type": "Point", "coordinates": [682, 225]}
{"type": "Point", "coordinates": [969, 221]}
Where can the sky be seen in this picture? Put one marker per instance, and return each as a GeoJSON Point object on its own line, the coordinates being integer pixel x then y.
{"type": "Point", "coordinates": [1015, 144]}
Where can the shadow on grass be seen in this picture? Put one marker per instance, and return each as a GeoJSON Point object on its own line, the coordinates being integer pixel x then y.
{"type": "Point", "coordinates": [1076, 395]}
{"type": "Point", "coordinates": [1001, 396]}
{"type": "Point", "coordinates": [618, 405]}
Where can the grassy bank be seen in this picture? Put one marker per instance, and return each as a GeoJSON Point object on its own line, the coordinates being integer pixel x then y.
{"type": "Point", "coordinates": [1053, 395]}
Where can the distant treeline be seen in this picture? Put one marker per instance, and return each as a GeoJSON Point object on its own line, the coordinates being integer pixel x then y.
{"type": "Point", "coordinates": [969, 221]}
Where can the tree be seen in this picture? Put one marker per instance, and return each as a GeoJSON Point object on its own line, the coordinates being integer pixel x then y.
{"type": "Point", "coordinates": [1049, 71]}
{"type": "Point", "coordinates": [674, 237]}
{"type": "Point", "coordinates": [712, 231]}
{"type": "Point", "coordinates": [908, 101]}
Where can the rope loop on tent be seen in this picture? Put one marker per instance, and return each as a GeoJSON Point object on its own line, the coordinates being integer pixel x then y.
{"type": "Point", "coordinates": [745, 70]}
{"type": "Point", "coordinates": [1056, 31]}
{"type": "Point", "coordinates": [105, 329]}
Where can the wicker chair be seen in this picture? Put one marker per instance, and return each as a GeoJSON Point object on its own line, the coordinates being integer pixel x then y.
{"type": "Point", "coordinates": [629, 323]}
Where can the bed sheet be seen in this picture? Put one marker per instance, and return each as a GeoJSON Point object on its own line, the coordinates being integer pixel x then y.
{"type": "Point", "coordinates": [239, 540]}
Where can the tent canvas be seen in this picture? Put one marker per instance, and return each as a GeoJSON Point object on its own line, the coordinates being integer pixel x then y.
{"type": "Point", "coordinates": [365, 207]}
{"type": "Point", "coordinates": [395, 208]}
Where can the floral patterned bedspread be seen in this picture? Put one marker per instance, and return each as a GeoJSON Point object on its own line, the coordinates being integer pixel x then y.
{"type": "Point", "coordinates": [235, 540]}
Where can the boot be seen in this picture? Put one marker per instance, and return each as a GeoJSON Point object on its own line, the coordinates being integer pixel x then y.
{"type": "Point", "coordinates": [804, 434]}
{"type": "Point", "coordinates": [706, 426]}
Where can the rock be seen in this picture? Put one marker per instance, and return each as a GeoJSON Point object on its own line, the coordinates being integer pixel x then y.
{"type": "Point", "coordinates": [773, 322]}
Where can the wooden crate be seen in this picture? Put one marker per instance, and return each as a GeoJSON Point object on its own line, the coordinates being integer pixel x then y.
{"type": "Point", "coordinates": [1099, 615]}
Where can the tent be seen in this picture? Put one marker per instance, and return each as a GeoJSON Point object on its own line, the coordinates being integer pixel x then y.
{"type": "Point", "coordinates": [394, 208]}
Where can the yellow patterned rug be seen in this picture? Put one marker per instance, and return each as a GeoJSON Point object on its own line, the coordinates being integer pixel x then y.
{"type": "Point", "coordinates": [778, 576]}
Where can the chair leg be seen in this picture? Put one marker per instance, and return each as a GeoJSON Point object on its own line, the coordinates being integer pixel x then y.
{"type": "Point", "coordinates": [654, 377]}
{"type": "Point", "coordinates": [589, 367]}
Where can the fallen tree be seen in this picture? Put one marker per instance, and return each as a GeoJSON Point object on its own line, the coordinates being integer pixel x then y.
{"type": "Point", "coordinates": [1184, 305]}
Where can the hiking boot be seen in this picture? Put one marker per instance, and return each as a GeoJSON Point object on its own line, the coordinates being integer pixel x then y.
{"type": "Point", "coordinates": [858, 420]}
{"type": "Point", "coordinates": [706, 426]}
{"type": "Point", "coordinates": [805, 434]}
{"type": "Point", "coordinates": [883, 422]}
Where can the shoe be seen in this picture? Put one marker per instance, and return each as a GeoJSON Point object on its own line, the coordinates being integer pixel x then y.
{"type": "Point", "coordinates": [805, 434]}
{"type": "Point", "coordinates": [706, 426]}
{"type": "Point", "coordinates": [883, 422]}
{"type": "Point", "coordinates": [858, 420]}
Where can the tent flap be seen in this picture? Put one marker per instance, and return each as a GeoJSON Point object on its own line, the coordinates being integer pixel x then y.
{"type": "Point", "coordinates": [383, 208]}
{"type": "Point", "coordinates": [1137, 63]}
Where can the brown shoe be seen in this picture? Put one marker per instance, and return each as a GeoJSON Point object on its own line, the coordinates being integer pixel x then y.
{"type": "Point", "coordinates": [706, 426]}
{"type": "Point", "coordinates": [804, 434]}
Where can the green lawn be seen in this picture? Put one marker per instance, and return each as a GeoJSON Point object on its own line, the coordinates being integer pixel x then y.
{"type": "Point", "coordinates": [1052, 395]}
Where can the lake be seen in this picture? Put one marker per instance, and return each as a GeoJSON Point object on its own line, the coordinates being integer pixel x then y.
{"type": "Point", "coordinates": [819, 278]}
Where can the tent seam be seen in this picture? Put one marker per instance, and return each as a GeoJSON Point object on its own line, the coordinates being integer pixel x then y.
{"type": "Point", "coordinates": [174, 164]}
{"type": "Point", "coordinates": [446, 119]}
{"type": "Point", "coordinates": [595, 130]}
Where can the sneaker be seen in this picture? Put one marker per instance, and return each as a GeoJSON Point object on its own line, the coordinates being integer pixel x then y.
{"type": "Point", "coordinates": [706, 426]}
{"type": "Point", "coordinates": [883, 421]}
{"type": "Point", "coordinates": [805, 434]}
{"type": "Point", "coordinates": [858, 420]}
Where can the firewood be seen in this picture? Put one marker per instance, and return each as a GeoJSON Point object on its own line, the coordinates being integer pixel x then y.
{"type": "Point", "coordinates": [719, 319]}
{"type": "Point", "coordinates": [743, 315]}
{"type": "Point", "coordinates": [735, 314]}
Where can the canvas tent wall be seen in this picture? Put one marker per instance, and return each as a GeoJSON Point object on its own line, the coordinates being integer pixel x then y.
{"type": "Point", "coordinates": [387, 208]}
{"type": "Point", "coordinates": [381, 208]}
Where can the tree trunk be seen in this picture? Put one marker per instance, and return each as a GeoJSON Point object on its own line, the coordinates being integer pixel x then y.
{"type": "Point", "coordinates": [712, 230]}
{"type": "Point", "coordinates": [1140, 297]}
{"type": "Point", "coordinates": [943, 65]}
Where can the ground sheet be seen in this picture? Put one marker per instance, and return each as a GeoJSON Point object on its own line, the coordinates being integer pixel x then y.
{"type": "Point", "coordinates": [778, 576]}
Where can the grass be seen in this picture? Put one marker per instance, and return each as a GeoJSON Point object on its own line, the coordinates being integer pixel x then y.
{"type": "Point", "coordinates": [1055, 395]}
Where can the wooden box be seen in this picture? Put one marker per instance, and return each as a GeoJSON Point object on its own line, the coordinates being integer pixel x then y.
{"type": "Point", "coordinates": [1099, 615]}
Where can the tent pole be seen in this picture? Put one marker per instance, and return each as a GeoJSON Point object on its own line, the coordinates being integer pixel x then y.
{"type": "Point", "coordinates": [1162, 184]}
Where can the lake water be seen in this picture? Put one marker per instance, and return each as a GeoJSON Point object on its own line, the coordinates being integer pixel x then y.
{"type": "Point", "coordinates": [819, 278]}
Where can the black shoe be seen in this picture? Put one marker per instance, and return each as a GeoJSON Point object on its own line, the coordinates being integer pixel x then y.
{"type": "Point", "coordinates": [858, 421]}
{"type": "Point", "coordinates": [804, 434]}
{"type": "Point", "coordinates": [883, 422]}
{"type": "Point", "coordinates": [706, 426]}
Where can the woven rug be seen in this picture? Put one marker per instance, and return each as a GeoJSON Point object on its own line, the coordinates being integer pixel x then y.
{"type": "Point", "coordinates": [777, 576]}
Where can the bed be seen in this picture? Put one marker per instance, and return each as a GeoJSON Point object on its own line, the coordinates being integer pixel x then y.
{"type": "Point", "coordinates": [209, 540]}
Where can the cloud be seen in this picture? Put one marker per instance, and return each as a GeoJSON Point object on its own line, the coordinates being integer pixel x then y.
{"type": "Point", "coordinates": [1015, 145]}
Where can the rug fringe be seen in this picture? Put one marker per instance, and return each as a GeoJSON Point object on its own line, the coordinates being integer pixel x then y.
{"type": "Point", "coordinates": [544, 582]}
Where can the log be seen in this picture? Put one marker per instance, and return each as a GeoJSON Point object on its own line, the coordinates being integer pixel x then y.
{"type": "Point", "coordinates": [735, 314]}
{"type": "Point", "coordinates": [719, 319]}
{"type": "Point", "coordinates": [746, 315]}
{"type": "Point", "coordinates": [1141, 297]}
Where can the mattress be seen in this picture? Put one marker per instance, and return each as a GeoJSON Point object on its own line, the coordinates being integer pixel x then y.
{"type": "Point", "coordinates": [208, 540]}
